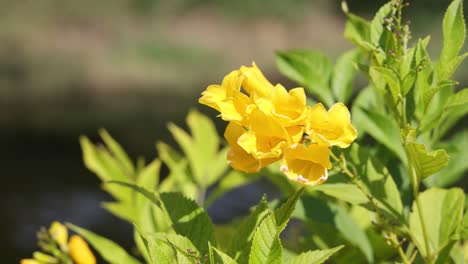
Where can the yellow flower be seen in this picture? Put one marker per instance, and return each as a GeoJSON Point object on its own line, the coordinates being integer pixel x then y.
{"type": "Point", "coordinates": [265, 138]}
{"type": "Point", "coordinates": [287, 108]}
{"type": "Point", "coordinates": [80, 251]}
{"type": "Point", "coordinates": [254, 82]}
{"type": "Point", "coordinates": [237, 157]}
{"type": "Point", "coordinates": [335, 125]}
{"type": "Point", "coordinates": [227, 98]}
{"type": "Point", "coordinates": [29, 261]}
{"type": "Point", "coordinates": [307, 164]}
{"type": "Point", "coordinates": [268, 123]}
{"type": "Point", "coordinates": [59, 233]}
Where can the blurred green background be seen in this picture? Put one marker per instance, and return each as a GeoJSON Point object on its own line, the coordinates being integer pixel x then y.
{"type": "Point", "coordinates": [71, 67]}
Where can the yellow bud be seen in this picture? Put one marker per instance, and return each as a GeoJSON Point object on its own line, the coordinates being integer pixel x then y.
{"type": "Point", "coordinates": [59, 233]}
{"type": "Point", "coordinates": [80, 251]}
{"type": "Point", "coordinates": [44, 258]}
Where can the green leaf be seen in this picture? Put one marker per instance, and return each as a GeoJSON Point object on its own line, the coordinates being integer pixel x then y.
{"type": "Point", "coordinates": [426, 163]}
{"type": "Point", "coordinates": [109, 251]}
{"type": "Point", "coordinates": [239, 247]}
{"type": "Point", "coordinates": [352, 232]}
{"type": "Point", "coordinates": [343, 75]}
{"type": "Point", "coordinates": [442, 212]}
{"type": "Point", "coordinates": [309, 69]}
{"type": "Point", "coordinates": [357, 30]}
{"type": "Point", "coordinates": [458, 99]}
{"type": "Point", "coordinates": [101, 162]}
{"type": "Point", "coordinates": [171, 248]}
{"type": "Point", "coordinates": [457, 165]}
{"type": "Point", "coordinates": [342, 191]}
{"type": "Point", "coordinates": [149, 175]}
{"type": "Point", "coordinates": [314, 257]}
{"type": "Point", "coordinates": [201, 149]}
{"type": "Point", "coordinates": [382, 187]}
{"type": "Point", "coordinates": [382, 78]}
{"type": "Point", "coordinates": [266, 245]}
{"type": "Point", "coordinates": [383, 129]}
{"type": "Point", "coordinates": [430, 92]}
{"type": "Point", "coordinates": [189, 220]}
{"type": "Point", "coordinates": [376, 26]}
{"type": "Point", "coordinates": [225, 259]}
{"type": "Point", "coordinates": [118, 152]}
{"type": "Point", "coordinates": [454, 32]}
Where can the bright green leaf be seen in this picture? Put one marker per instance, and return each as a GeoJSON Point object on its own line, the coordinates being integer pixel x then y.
{"type": "Point", "coordinates": [382, 78]}
{"type": "Point", "coordinates": [239, 248]}
{"type": "Point", "coordinates": [426, 163]}
{"type": "Point", "coordinates": [376, 28]}
{"type": "Point", "coordinates": [342, 191]}
{"type": "Point", "coordinates": [109, 251]}
{"type": "Point", "coordinates": [458, 99]}
{"type": "Point", "coordinates": [266, 245]}
{"type": "Point", "coordinates": [314, 257]}
{"type": "Point", "coordinates": [454, 32]}
{"type": "Point", "coordinates": [309, 69]}
{"type": "Point", "coordinates": [442, 213]}
{"type": "Point", "coordinates": [225, 259]}
{"type": "Point", "coordinates": [343, 75]}
{"type": "Point", "coordinates": [118, 152]}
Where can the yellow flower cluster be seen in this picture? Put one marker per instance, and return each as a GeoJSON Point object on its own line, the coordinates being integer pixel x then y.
{"type": "Point", "coordinates": [76, 247]}
{"type": "Point", "coordinates": [267, 123]}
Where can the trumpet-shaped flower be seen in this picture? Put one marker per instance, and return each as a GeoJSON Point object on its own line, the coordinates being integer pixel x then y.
{"type": "Point", "coordinates": [307, 164]}
{"type": "Point", "coordinates": [335, 125]}
{"type": "Point", "coordinates": [268, 123]}
{"type": "Point", "coordinates": [237, 157]}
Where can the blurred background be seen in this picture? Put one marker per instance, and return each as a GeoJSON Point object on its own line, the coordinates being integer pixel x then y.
{"type": "Point", "coordinates": [68, 68]}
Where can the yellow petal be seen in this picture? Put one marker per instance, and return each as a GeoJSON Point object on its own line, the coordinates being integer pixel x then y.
{"type": "Point", "coordinates": [265, 138]}
{"type": "Point", "coordinates": [335, 125]}
{"type": "Point", "coordinates": [307, 164]}
{"type": "Point", "coordinates": [254, 82]}
{"type": "Point", "coordinates": [227, 98]}
{"type": "Point", "coordinates": [80, 251]}
{"type": "Point", "coordinates": [237, 157]}
{"type": "Point", "coordinates": [59, 233]}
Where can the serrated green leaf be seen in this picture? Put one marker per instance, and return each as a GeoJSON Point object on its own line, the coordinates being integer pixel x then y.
{"type": "Point", "coordinates": [314, 257]}
{"type": "Point", "coordinates": [309, 69]}
{"type": "Point", "coordinates": [342, 191]}
{"type": "Point", "coordinates": [142, 245]}
{"type": "Point", "coordinates": [109, 251]}
{"type": "Point", "coordinates": [376, 26]}
{"type": "Point", "coordinates": [189, 220]}
{"type": "Point", "coordinates": [118, 152]}
{"type": "Point", "coordinates": [171, 248]}
{"type": "Point", "coordinates": [357, 31]}
{"type": "Point", "coordinates": [430, 92]}
{"type": "Point", "coordinates": [426, 163]}
{"type": "Point", "coordinates": [225, 259]}
{"type": "Point", "coordinates": [120, 209]}
{"type": "Point", "coordinates": [239, 248]}
{"type": "Point", "coordinates": [100, 161]}
{"type": "Point", "coordinates": [201, 149]}
{"type": "Point", "coordinates": [454, 32]}
{"type": "Point", "coordinates": [352, 232]}
{"type": "Point", "coordinates": [343, 75]}
{"type": "Point", "coordinates": [442, 211]}
{"type": "Point", "coordinates": [383, 129]}
{"type": "Point", "coordinates": [458, 99]}
{"type": "Point", "coordinates": [457, 165]}
{"type": "Point", "coordinates": [149, 175]}
{"type": "Point", "coordinates": [383, 189]}
{"type": "Point", "coordinates": [266, 245]}
{"type": "Point", "coordinates": [382, 78]}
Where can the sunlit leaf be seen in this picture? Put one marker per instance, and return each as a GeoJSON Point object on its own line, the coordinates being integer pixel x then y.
{"type": "Point", "coordinates": [314, 257]}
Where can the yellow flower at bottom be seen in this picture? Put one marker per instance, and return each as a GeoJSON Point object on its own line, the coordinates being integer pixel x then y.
{"type": "Point", "coordinates": [307, 165]}
{"type": "Point", "coordinates": [29, 261]}
{"type": "Point", "coordinates": [237, 157]}
{"type": "Point", "coordinates": [80, 251]}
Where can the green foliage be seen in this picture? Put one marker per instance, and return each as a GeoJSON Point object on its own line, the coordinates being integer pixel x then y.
{"type": "Point", "coordinates": [110, 251]}
{"type": "Point", "coordinates": [383, 201]}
